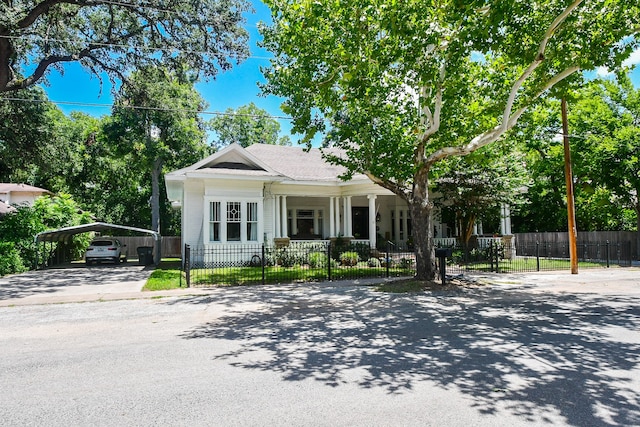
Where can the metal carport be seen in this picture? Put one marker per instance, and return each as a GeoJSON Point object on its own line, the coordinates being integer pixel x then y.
{"type": "Point", "coordinates": [66, 233]}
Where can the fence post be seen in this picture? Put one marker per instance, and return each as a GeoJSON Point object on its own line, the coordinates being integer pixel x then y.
{"type": "Point", "coordinates": [263, 263]}
{"type": "Point", "coordinates": [608, 248]}
{"type": "Point", "coordinates": [537, 256]}
{"type": "Point", "coordinates": [387, 259]}
{"type": "Point", "coordinates": [187, 264]}
{"type": "Point", "coordinates": [329, 261]}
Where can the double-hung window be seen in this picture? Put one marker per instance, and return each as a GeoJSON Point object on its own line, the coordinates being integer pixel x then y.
{"type": "Point", "coordinates": [233, 221]}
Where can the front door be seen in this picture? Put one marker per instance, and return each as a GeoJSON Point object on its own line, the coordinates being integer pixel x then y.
{"type": "Point", "coordinates": [360, 222]}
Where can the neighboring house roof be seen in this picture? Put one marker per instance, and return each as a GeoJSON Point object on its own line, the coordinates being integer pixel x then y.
{"type": "Point", "coordinates": [21, 188]}
{"type": "Point", "coordinates": [264, 160]}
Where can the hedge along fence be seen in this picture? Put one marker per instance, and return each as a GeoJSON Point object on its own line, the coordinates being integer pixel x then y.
{"type": "Point", "coordinates": [298, 262]}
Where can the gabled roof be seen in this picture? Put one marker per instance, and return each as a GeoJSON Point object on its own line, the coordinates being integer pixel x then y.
{"type": "Point", "coordinates": [232, 160]}
{"type": "Point", "coordinates": [265, 160]}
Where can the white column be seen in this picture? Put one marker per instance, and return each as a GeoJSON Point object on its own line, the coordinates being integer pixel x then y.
{"type": "Point", "coordinates": [349, 218]}
{"type": "Point", "coordinates": [503, 223]}
{"type": "Point", "coordinates": [337, 218]}
{"type": "Point", "coordinates": [276, 209]}
{"type": "Point", "coordinates": [480, 229]}
{"type": "Point", "coordinates": [507, 218]}
{"type": "Point", "coordinates": [284, 217]}
{"type": "Point", "coordinates": [332, 230]}
{"type": "Point", "coordinates": [475, 228]}
{"type": "Point", "coordinates": [372, 220]}
{"type": "Point", "coordinates": [345, 218]}
{"type": "Point", "coordinates": [294, 222]}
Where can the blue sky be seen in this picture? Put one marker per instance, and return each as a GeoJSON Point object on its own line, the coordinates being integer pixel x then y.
{"type": "Point", "coordinates": [231, 89]}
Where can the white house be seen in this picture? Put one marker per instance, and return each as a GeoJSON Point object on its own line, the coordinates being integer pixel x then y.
{"type": "Point", "coordinates": [276, 194]}
{"type": "Point", "coordinates": [20, 194]}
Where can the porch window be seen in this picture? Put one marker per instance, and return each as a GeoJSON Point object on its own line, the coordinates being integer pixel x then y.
{"type": "Point", "coordinates": [252, 221]}
{"type": "Point", "coordinates": [214, 221]}
{"type": "Point", "coordinates": [234, 220]}
{"type": "Point", "coordinates": [393, 225]}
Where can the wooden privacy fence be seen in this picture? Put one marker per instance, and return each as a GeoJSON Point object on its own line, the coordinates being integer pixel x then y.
{"type": "Point", "coordinates": [171, 245]}
{"type": "Point", "coordinates": [584, 237]}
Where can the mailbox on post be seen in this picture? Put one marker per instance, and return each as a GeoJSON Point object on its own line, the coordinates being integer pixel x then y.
{"type": "Point", "coordinates": [442, 254]}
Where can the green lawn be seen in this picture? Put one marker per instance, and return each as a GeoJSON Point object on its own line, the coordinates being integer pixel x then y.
{"type": "Point", "coordinates": [529, 264]}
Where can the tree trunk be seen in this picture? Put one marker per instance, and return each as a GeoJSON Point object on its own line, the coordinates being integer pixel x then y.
{"type": "Point", "coordinates": [155, 195]}
{"type": "Point", "coordinates": [422, 226]}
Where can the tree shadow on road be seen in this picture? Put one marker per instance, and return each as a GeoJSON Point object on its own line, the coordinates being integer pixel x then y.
{"type": "Point", "coordinates": [573, 355]}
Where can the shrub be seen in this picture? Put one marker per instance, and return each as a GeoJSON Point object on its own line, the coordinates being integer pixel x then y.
{"type": "Point", "coordinates": [349, 259]}
{"type": "Point", "coordinates": [10, 261]}
{"type": "Point", "coordinates": [317, 259]}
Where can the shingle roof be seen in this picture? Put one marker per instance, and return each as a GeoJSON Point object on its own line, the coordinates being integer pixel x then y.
{"type": "Point", "coordinates": [296, 163]}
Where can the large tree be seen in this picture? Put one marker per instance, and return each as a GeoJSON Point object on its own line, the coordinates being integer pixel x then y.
{"type": "Point", "coordinates": [116, 37]}
{"type": "Point", "coordinates": [156, 121]}
{"type": "Point", "coordinates": [247, 125]}
{"type": "Point", "coordinates": [406, 84]}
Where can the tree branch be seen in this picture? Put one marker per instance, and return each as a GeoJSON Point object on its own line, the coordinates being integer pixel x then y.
{"type": "Point", "coordinates": [389, 185]}
{"type": "Point", "coordinates": [495, 133]}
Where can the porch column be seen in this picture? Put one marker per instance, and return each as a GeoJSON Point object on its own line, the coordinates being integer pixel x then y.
{"type": "Point", "coordinates": [372, 220]}
{"type": "Point", "coordinates": [503, 219]}
{"type": "Point", "coordinates": [284, 217]}
{"type": "Point", "coordinates": [276, 215]}
{"type": "Point", "coordinates": [294, 222]}
{"type": "Point", "coordinates": [349, 220]}
{"type": "Point", "coordinates": [332, 229]}
{"type": "Point", "coordinates": [337, 218]}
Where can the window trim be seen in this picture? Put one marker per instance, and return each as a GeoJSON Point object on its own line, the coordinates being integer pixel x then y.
{"type": "Point", "coordinates": [244, 214]}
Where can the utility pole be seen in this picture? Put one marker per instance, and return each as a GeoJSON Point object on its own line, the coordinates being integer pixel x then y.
{"type": "Point", "coordinates": [568, 175]}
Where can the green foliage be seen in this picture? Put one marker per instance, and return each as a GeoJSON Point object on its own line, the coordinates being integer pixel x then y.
{"type": "Point", "coordinates": [349, 259]}
{"type": "Point", "coordinates": [114, 38]}
{"type": "Point", "coordinates": [157, 137]}
{"type": "Point", "coordinates": [10, 261]}
{"type": "Point", "coordinates": [247, 125]}
{"type": "Point", "coordinates": [317, 260]}
{"type": "Point", "coordinates": [47, 213]}
{"type": "Point", "coordinates": [604, 138]}
{"type": "Point", "coordinates": [404, 85]}
{"type": "Point", "coordinates": [31, 149]}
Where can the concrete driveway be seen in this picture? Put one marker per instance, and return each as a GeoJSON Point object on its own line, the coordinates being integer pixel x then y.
{"type": "Point", "coordinates": [73, 283]}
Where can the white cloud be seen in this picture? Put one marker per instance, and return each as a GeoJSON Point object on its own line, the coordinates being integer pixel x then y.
{"type": "Point", "coordinates": [634, 59]}
{"type": "Point", "coordinates": [603, 72]}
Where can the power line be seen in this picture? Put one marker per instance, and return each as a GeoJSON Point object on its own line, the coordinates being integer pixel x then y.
{"type": "Point", "coordinates": [124, 46]}
{"type": "Point", "coordinates": [139, 107]}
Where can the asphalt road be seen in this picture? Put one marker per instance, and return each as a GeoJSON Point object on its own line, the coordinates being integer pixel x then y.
{"type": "Point", "coordinates": [509, 354]}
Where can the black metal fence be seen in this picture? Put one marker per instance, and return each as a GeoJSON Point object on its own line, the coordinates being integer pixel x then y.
{"type": "Point", "coordinates": [320, 261]}
{"type": "Point", "coordinates": [539, 256]}
{"type": "Point", "coordinates": [298, 262]}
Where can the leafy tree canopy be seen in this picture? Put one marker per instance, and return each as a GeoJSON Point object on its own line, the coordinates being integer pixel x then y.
{"type": "Point", "coordinates": [115, 37]}
{"type": "Point", "coordinates": [405, 84]}
{"type": "Point", "coordinates": [247, 125]}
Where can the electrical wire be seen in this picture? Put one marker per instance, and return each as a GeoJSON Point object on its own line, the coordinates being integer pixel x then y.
{"type": "Point", "coordinates": [123, 46]}
{"type": "Point", "coordinates": [139, 107]}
